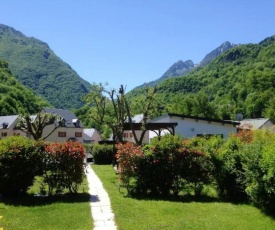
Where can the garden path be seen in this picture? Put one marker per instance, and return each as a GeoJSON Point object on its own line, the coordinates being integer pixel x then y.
{"type": "Point", "coordinates": [102, 213]}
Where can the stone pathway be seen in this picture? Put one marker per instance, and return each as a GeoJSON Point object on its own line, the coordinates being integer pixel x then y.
{"type": "Point", "coordinates": [100, 203]}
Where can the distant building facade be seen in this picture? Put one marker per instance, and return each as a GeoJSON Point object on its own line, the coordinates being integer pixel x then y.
{"type": "Point", "coordinates": [71, 128]}
{"type": "Point", "coordinates": [192, 126]}
{"type": "Point", "coordinates": [91, 136]}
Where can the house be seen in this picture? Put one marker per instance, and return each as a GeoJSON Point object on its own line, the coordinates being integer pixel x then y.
{"type": "Point", "coordinates": [192, 126]}
{"type": "Point", "coordinates": [256, 123]}
{"type": "Point", "coordinates": [91, 136]}
{"type": "Point", "coordinates": [71, 127]}
{"type": "Point", "coordinates": [8, 126]}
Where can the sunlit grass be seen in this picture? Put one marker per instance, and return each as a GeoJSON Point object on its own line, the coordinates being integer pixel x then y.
{"type": "Point", "coordinates": [180, 213]}
{"type": "Point", "coordinates": [56, 212]}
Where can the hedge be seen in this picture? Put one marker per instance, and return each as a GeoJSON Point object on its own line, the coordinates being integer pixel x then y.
{"type": "Point", "coordinates": [59, 164]}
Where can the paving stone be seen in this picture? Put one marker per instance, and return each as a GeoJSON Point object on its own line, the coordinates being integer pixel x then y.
{"type": "Point", "coordinates": [101, 210]}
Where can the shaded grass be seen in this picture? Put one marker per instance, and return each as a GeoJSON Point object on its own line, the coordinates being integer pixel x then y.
{"type": "Point", "coordinates": [178, 213]}
{"type": "Point", "coordinates": [66, 211]}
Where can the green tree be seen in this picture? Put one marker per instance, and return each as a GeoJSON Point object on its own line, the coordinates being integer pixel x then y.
{"type": "Point", "coordinates": [110, 109]}
{"type": "Point", "coordinates": [107, 110]}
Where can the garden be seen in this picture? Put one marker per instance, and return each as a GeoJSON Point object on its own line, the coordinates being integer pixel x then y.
{"type": "Point", "coordinates": [200, 183]}
{"type": "Point", "coordinates": [238, 169]}
{"type": "Point", "coordinates": [42, 185]}
{"type": "Point", "coordinates": [171, 183]}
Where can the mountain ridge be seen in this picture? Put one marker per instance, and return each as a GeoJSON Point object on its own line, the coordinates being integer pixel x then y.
{"type": "Point", "coordinates": [241, 80]}
{"type": "Point", "coordinates": [36, 66]}
{"type": "Point", "coordinates": [16, 98]}
{"type": "Point", "coordinates": [180, 68]}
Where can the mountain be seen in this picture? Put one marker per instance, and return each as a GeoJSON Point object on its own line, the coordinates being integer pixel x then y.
{"type": "Point", "coordinates": [241, 80]}
{"type": "Point", "coordinates": [216, 52]}
{"type": "Point", "coordinates": [181, 68]}
{"type": "Point", "coordinates": [36, 66]}
{"type": "Point", "coordinates": [16, 98]}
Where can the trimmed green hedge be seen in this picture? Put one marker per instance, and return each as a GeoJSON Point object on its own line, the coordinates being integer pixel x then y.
{"type": "Point", "coordinates": [102, 154]}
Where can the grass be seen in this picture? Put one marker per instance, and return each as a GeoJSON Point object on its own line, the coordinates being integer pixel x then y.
{"type": "Point", "coordinates": [67, 211]}
{"type": "Point", "coordinates": [178, 213]}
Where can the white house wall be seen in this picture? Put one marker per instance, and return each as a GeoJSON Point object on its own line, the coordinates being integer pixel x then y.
{"type": "Point", "coordinates": [11, 130]}
{"type": "Point", "coordinates": [70, 133]}
{"type": "Point", "coordinates": [189, 128]}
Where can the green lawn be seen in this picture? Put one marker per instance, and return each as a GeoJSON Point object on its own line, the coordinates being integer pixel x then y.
{"type": "Point", "coordinates": [132, 213]}
{"type": "Point", "coordinates": [56, 212]}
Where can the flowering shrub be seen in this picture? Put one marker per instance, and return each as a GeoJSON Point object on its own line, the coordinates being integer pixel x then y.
{"type": "Point", "coordinates": [245, 132]}
{"type": "Point", "coordinates": [21, 159]}
{"type": "Point", "coordinates": [20, 162]}
{"type": "Point", "coordinates": [128, 156]}
{"type": "Point", "coordinates": [161, 167]}
{"type": "Point", "coordinates": [64, 166]}
{"type": "Point", "coordinates": [169, 165]}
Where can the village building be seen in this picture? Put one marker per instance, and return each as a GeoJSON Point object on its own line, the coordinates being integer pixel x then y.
{"type": "Point", "coordinates": [185, 126]}
{"type": "Point", "coordinates": [71, 127]}
{"type": "Point", "coordinates": [193, 126]}
{"type": "Point", "coordinates": [256, 123]}
{"type": "Point", "coordinates": [91, 136]}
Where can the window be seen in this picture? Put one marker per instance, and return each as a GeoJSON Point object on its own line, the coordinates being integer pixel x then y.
{"type": "Point", "coordinates": [125, 135]}
{"type": "Point", "coordinates": [78, 134]}
{"type": "Point", "coordinates": [131, 135]}
{"type": "Point", "coordinates": [5, 134]}
{"type": "Point", "coordinates": [62, 134]}
{"type": "Point", "coordinates": [210, 135]}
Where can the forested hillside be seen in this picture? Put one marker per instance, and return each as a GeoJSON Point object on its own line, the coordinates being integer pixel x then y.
{"type": "Point", "coordinates": [241, 80]}
{"type": "Point", "coordinates": [16, 98]}
{"type": "Point", "coordinates": [35, 65]}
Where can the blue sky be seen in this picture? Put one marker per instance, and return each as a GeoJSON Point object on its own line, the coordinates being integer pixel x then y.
{"type": "Point", "coordinates": [131, 42]}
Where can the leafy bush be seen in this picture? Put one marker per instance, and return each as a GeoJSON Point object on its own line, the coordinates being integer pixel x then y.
{"type": "Point", "coordinates": [64, 166]}
{"type": "Point", "coordinates": [260, 170]}
{"type": "Point", "coordinates": [102, 153]}
{"type": "Point", "coordinates": [20, 162]}
{"type": "Point", "coordinates": [162, 167]}
{"type": "Point", "coordinates": [163, 157]}
{"type": "Point", "coordinates": [229, 171]}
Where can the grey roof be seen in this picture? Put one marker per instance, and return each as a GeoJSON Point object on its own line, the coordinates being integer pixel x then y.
{"type": "Point", "coordinates": [89, 132]}
{"type": "Point", "coordinates": [8, 120]}
{"type": "Point", "coordinates": [69, 117]}
{"type": "Point", "coordinates": [197, 118]}
{"type": "Point", "coordinates": [136, 119]}
{"type": "Point", "coordinates": [257, 123]}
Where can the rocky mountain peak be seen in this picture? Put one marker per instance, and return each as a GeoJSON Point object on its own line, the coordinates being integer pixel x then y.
{"type": "Point", "coordinates": [216, 52]}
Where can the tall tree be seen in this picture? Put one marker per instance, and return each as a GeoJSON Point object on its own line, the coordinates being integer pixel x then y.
{"type": "Point", "coordinates": [107, 110]}
{"type": "Point", "coordinates": [111, 108]}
